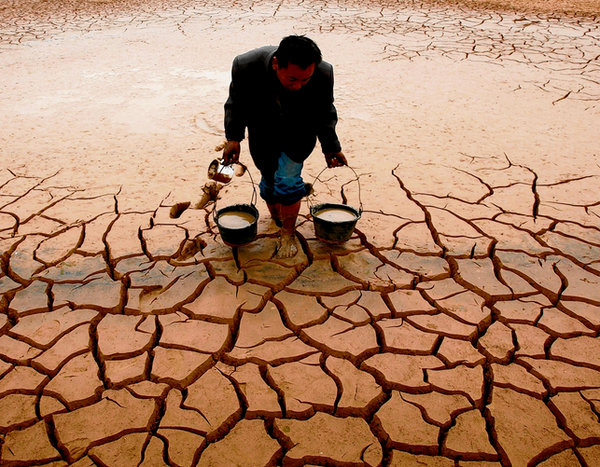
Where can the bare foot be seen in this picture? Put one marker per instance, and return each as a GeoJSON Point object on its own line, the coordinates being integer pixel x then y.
{"type": "Point", "coordinates": [286, 247]}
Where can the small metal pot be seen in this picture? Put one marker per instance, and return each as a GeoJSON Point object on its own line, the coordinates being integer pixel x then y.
{"type": "Point", "coordinates": [219, 172]}
{"type": "Point", "coordinates": [334, 231]}
{"type": "Point", "coordinates": [242, 236]}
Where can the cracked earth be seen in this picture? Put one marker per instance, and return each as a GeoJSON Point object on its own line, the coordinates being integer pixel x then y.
{"type": "Point", "coordinates": [457, 327]}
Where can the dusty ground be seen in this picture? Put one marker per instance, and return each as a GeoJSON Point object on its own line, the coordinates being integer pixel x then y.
{"type": "Point", "coordinates": [458, 326]}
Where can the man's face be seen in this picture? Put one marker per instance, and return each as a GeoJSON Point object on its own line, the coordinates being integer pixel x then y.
{"type": "Point", "coordinates": [293, 77]}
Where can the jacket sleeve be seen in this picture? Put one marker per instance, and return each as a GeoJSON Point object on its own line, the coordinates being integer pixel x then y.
{"type": "Point", "coordinates": [328, 121]}
{"type": "Point", "coordinates": [235, 121]}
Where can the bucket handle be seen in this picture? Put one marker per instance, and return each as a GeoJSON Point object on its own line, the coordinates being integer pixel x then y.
{"type": "Point", "coordinates": [360, 209]}
{"type": "Point", "coordinates": [253, 199]}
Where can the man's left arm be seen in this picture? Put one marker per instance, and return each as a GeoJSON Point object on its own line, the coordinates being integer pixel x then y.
{"type": "Point", "coordinates": [326, 133]}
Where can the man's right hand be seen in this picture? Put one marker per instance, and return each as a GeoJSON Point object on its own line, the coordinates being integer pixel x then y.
{"type": "Point", "coordinates": [231, 152]}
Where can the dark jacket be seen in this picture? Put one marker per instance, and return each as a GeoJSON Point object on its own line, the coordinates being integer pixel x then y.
{"type": "Point", "coordinates": [279, 120]}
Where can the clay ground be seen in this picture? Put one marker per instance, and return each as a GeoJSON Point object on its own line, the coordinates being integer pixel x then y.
{"type": "Point", "coordinates": [459, 324]}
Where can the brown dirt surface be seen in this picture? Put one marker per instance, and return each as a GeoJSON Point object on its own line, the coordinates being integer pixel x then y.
{"type": "Point", "coordinates": [587, 8]}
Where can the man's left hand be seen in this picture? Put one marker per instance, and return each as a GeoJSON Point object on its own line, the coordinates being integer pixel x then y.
{"type": "Point", "coordinates": [335, 159]}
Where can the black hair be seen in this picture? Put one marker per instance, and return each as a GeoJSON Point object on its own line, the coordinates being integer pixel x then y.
{"type": "Point", "coordinates": [299, 50]}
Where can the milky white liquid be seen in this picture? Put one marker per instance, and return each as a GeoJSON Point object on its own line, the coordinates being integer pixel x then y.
{"type": "Point", "coordinates": [335, 215]}
{"type": "Point", "coordinates": [235, 219]}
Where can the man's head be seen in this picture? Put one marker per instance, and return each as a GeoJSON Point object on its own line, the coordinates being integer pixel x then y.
{"type": "Point", "coordinates": [295, 60]}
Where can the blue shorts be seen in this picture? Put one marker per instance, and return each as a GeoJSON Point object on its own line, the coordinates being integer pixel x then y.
{"type": "Point", "coordinates": [288, 186]}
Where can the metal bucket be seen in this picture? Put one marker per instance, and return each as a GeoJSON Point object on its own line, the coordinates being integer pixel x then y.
{"type": "Point", "coordinates": [237, 236]}
{"type": "Point", "coordinates": [334, 231]}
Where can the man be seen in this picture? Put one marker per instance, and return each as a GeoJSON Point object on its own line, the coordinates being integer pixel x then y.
{"type": "Point", "coordinates": [284, 97]}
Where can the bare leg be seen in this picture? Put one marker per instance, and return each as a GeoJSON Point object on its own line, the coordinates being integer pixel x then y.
{"type": "Point", "coordinates": [275, 211]}
{"type": "Point", "coordinates": [287, 247]}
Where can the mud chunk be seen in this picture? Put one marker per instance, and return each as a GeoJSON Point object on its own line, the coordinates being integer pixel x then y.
{"type": "Point", "coordinates": [210, 192]}
{"type": "Point", "coordinates": [191, 248]}
{"type": "Point", "coordinates": [178, 208]}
